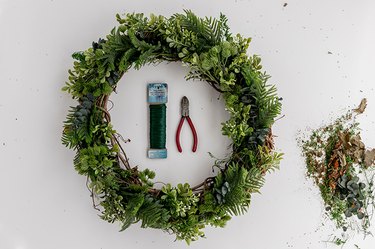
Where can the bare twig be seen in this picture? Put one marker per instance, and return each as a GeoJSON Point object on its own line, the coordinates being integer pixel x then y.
{"type": "Point", "coordinates": [91, 195]}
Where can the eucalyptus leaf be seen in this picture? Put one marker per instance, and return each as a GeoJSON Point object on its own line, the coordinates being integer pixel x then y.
{"type": "Point", "coordinates": [348, 213]}
{"type": "Point", "coordinates": [360, 215]}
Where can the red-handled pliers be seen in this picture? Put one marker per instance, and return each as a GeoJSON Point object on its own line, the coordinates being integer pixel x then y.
{"type": "Point", "coordinates": [185, 115]}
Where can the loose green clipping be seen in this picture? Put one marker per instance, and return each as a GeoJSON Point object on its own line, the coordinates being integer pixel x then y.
{"type": "Point", "coordinates": [157, 97]}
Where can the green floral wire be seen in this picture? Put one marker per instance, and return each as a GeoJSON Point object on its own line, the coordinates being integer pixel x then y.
{"type": "Point", "coordinates": [158, 126]}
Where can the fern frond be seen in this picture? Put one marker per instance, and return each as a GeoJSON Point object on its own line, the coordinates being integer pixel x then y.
{"type": "Point", "coordinates": [152, 214]}
{"type": "Point", "coordinates": [141, 45]}
{"type": "Point", "coordinates": [268, 160]}
{"type": "Point", "coordinates": [256, 180]}
{"type": "Point", "coordinates": [269, 105]}
{"type": "Point", "coordinates": [237, 199]}
{"type": "Point", "coordinates": [266, 100]}
{"type": "Point", "coordinates": [131, 210]}
{"type": "Point", "coordinates": [219, 28]}
{"type": "Point", "coordinates": [127, 59]}
{"type": "Point", "coordinates": [212, 30]}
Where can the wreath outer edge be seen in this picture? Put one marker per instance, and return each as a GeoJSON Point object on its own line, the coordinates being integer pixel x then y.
{"type": "Point", "coordinates": [125, 194]}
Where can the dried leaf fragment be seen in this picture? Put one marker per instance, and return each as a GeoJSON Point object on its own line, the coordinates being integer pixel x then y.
{"type": "Point", "coordinates": [369, 157]}
{"type": "Point", "coordinates": [345, 139]}
{"type": "Point", "coordinates": [362, 106]}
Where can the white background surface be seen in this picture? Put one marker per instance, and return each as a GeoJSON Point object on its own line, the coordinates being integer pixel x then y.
{"type": "Point", "coordinates": [45, 204]}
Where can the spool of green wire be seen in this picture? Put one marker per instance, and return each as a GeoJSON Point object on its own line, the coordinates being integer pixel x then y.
{"type": "Point", "coordinates": [157, 99]}
{"type": "Point", "coordinates": [158, 117]}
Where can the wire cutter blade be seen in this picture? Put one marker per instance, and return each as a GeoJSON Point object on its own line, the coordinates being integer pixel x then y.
{"type": "Point", "coordinates": [185, 115]}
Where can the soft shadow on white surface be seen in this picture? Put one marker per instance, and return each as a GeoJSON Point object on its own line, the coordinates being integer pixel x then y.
{"type": "Point", "coordinates": [45, 203]}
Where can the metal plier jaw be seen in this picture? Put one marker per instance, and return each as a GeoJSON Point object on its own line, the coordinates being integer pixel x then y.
{"type": "Point", "coordinates": [184, 107]}
{"type": "Point", "coordinates": [185, 115]}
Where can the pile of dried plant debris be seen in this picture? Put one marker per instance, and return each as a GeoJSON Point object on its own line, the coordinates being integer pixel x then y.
{"type": "Point", "coordinates": [343, 169]}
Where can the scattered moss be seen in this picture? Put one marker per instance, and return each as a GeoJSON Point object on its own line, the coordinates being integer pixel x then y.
{"type": "Point", "coordinates": [335, 158]}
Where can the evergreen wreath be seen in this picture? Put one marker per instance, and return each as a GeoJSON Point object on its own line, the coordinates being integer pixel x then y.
{"type": "Point", "coordinates": [127, 194]}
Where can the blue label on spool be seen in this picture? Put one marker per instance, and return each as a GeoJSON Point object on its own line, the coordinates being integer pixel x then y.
{"type": "Point", "coordinates": [157, 93]}
{"type": "Point", "coordinates": [157, 153]}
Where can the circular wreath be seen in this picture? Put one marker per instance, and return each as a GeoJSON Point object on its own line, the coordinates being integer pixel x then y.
{"type": "Point", "coordinates": [127, 194]}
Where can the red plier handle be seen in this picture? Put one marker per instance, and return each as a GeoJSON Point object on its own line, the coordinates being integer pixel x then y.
{"type": "Point", "coordinates": [185, 115]}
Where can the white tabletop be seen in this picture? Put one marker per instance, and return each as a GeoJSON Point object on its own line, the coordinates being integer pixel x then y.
{"type": "Point", "coordinates": [320, 55]}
